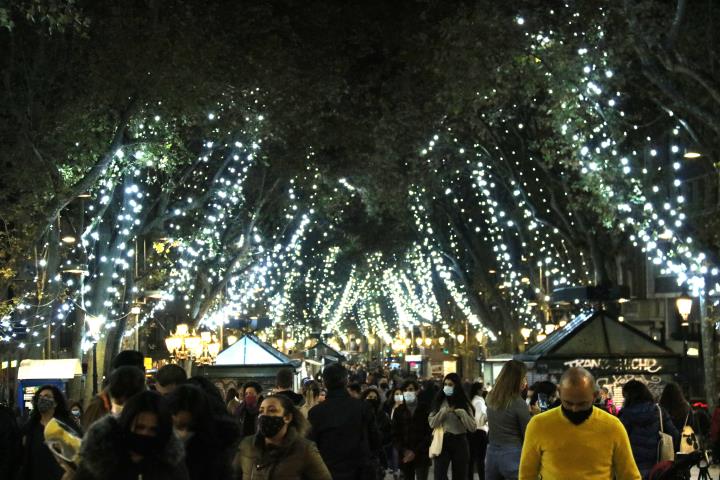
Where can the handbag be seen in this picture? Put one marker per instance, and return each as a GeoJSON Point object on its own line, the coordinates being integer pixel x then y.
{"type": "Point", "coordinates": [666, 450]}
{"type": "Point", "coordinates": [437, 442]}
{"type": "Point", "coordinates": [688, 440]}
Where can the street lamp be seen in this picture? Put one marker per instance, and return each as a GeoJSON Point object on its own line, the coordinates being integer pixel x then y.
{"type": "Point", "coordinates": [684, 305]}
{"type": "Point", "coordinates": [525, 332]}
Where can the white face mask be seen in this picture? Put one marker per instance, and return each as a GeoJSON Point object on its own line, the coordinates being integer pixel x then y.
{"type": "Point", "coordinates": [448, 390]}
{"type": "Point", "coordinates": [399, 398]}
{"type": "Point", "coordinates": [409, 397]}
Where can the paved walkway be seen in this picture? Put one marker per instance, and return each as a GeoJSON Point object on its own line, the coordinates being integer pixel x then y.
{"type": "Point", "coordinates": [714, 474]}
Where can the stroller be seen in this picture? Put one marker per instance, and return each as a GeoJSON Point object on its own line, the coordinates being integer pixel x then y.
{"type": "Point", "coordinates": [680, 468]}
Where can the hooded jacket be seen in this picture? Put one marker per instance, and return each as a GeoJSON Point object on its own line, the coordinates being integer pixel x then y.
{"type": "Point", "coordinates": [297, 458]}
{"type": "Point", "coordinates": [104, 456]}
{"type": "Point", "coordinates": [642, 422]}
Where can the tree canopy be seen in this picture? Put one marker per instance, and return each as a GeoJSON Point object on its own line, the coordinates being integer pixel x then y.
{"type": "Point", "coordinates": [369, 166]}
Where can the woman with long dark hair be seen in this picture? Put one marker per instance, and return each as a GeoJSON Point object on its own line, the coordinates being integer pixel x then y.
{"type": "Point", "coordinates": [279, 449]}
{"type": "Point", "coordinates": [209, 437]}
{"type": "Point", "coordinates": [38, 462]}
{"type": "Point", "coordinates": [453, 412]}
{"type": "Point", "coordinates": [384, 457]}
{"type": "Point", "coordinates": [640, 416]}
{"type": "Point", "coordinates": [508, 416]}
{"type": "Point", "coordinates": [673, 400]}
{"type": "Point", "coordinates": [140, 443]}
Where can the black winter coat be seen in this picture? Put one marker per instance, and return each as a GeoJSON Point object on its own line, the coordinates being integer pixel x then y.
{"type": "Point", "coordinates": [642, 423]}
{"type": "Point", "coordinates": [104, 456]}
{"type": "Point", "coordinates": [38, 462]}
{"type": "Point", "coordinates": [10, 444]}
{"type": "Point", "coordinates": [345, 432]}
{"type": "Point", "coordinates": [411, 431]}
{"type": "Point", "coordinates": [210, 456]}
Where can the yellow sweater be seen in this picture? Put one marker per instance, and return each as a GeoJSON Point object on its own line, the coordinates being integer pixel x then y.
{"type": "Point", "coordinates": [597, 449]}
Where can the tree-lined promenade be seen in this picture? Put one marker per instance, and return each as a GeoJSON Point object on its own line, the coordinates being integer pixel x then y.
{"type": "Point", "coordinates": [391, 171]}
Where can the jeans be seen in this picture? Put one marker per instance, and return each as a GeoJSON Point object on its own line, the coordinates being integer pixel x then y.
{"type": "Point", "coordinates": [478, 446]}
{"type": "Point", "coordinates": [502, 462]}
{"type": "Point", "coordinates": [455, 451]}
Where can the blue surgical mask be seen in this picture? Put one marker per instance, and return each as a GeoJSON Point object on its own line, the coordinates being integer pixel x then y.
{"type": "Point", "coordinates": [448, 390]}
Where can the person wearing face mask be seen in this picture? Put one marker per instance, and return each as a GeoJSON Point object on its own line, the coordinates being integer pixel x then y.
{"type": "Point", "coordinates": [137, 444]}
{"type": "Point", "coordinates": [247, 413]}
{"type": "Point", "coordinates": [38, 462]}
{"type": "Point", "coordinates": [76, 412]}
{"type": "Point", "coordinates": [453, 412]}
{"type": "Point", "coordinates": [382, 456]}
{"type": "Point", "coordinates": [394, 400]}
{"type": "Point", "coordinates": [641, 417]}
{"type": "Point", "coordinates": [411, 434]}
{"type": "Point", "coordinates": [209, 437]}
{"type": "Point", "coordinates": [577, 440]}
{"type": "Point", "coordinates": [279, 450]}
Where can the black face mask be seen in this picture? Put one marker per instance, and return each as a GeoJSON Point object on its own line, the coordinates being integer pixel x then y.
{"type": "Point", "coordinates": [374, 402]}
{"type": "Point", "coordinates": [577, 417]}
{"type": "Point", "coordinates": [270, 425]}
{"type": "Point", "coordinates": [143, 444]}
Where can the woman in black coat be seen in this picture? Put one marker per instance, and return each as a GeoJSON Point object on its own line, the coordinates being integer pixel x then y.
{"type": "Point", "coordinates": [382, 421]}
{"type": "Point", "coordinates": [138, 444]}
{"type": "Point", "coordinates": [641, 417]}
{"type": "Point", "coordinates": [38, 462]}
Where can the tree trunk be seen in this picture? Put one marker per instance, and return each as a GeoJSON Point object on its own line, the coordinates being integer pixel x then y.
{"type": "Point", "coordinates": [709, 353]}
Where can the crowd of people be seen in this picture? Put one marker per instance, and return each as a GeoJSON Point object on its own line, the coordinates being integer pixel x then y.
{"type": "Point", "coordinates": [351, 424]}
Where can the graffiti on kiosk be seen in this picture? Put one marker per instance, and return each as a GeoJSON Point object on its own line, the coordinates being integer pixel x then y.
{"type": "Point", "coordinates": [648, 365]}
{"type": "Point", "coordinates": [614, 384]}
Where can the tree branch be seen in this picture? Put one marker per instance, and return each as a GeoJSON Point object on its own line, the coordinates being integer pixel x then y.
{"type": "Point", "coordinates": [97, 170]}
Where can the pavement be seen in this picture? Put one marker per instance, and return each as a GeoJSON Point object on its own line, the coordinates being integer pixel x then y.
{"type": "Point", "coordinates": [714, 474]}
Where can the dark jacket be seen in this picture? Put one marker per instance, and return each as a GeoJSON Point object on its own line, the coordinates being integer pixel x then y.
{"type": "Point", "coordinates": [345, 432]}
{"type": "Point", "coordinates": [642, 422]}
{"type": "Point", "coordinates": [247, 419]}
{"type": "Point", "coordinates": [297, 399]}
{"type": "Point", "coordinates": [38, 463]}
{"type": "Point", "coordinates": [10, 443]}
{"type": "Point", "coordinates": [104, 456]}
{"type": "Point", "coordinates": [98, 407]}
{"type": "Point", "coordinates": [411, 431]}
{"type": "Point", "coordinates": [209, 456]}
{"type": "Point", "coordinates": [297, 459]}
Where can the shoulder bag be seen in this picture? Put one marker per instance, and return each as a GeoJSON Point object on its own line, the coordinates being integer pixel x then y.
{"type": "Point", "coordinates": [688, 440]}
{"type": "Point", "coordinates": [437, 442]}
{"type": "Point", "coordinates": [665, 451]}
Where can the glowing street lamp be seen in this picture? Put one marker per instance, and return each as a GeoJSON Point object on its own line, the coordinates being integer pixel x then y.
{"type": "Point", "coordinates": [684, 305]}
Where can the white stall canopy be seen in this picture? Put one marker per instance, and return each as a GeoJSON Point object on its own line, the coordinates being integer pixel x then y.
{"type": "Point", "coordinates": [61, 369]}
{"type": "Point", "coordinates": [250, 350]}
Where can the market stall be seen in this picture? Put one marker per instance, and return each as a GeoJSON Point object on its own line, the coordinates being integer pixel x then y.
{"type": "Point", "coordinates": [248, 359]}
{"type": "Point", "coordinates": [614, 351]}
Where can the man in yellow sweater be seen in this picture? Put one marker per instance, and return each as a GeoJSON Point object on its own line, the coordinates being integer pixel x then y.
{"type": "Point", "coordinates": [577, 441]}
